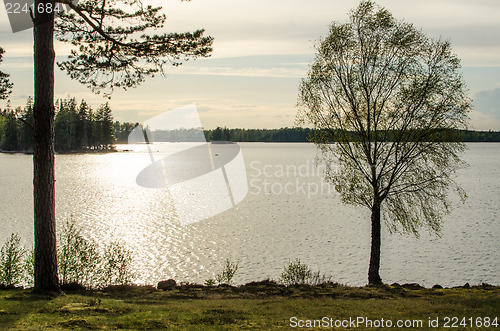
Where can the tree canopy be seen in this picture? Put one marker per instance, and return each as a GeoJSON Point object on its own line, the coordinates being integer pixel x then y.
{"type": "Point", "coordinates": [384, 92]}
{"type": "Point", "coordinates": [111, 46]}
{"type": "Point", "coordinates": [5, 84]}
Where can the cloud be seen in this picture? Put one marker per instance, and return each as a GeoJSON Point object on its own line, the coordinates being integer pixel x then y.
{"type": "Point", "coordinates": [488, 102]}
{"type": "Point", "coordinates": [246, 72]}
{"type": "Point", "coordinates": [484, 122]}
{"type": "Point", "coordinates": [268, 66]}
{"type": "Point", "coordinates": [486, 114]}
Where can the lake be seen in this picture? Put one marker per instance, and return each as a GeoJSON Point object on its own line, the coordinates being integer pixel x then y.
{"type": "Point", "coordinates": [288, 213]}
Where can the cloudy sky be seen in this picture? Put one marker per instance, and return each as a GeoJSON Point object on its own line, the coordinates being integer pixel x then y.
{"type": "Point", "coordinates": [261, 50]}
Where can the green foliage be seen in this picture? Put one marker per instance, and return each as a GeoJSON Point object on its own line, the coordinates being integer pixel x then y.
{"type": "Point", "coordinates": [80, 128]}
{"type": "Point", "coordinates": [104, 126]}
{"type": "Point", "coordinates": [16, 131]}
{"type": "Point", "coordinates": [80, 261]}
{"type": "Point", "coordinates": [117, 263]}
{"type": "Point", "coordinates": [84, 262]}
{"type": "Point", "coordinates": [26, 129]}
{"type": "Point", "coordinates": [29, 267]}
{"type": "Point", "coordinates": [76, 128]}
{"type": "Point", "coordinates": [5, 84]}
{"type": "Point", "coordinates": [9, 138]}
{"type": "Point", "coordinates": [295, 273]}
{"type": "Point", "coordinates": [387, 95]}
{"type": "Point", "coordinates": [11, 261]}
{"type": "Point", "coordinates": [225, 276]}
{"type": "Point", "coordinates": [298, 273]}
{"type": "Point", "coordinates": [210, 282]}
{"type": "Point", "coordinates": [239, 135]}
{"type": "Point", "coordinates": [65, 125]}
{"type": "Point", "coordinates": [122, 131]}
{"type": "Point", "coordinates": [114, 46]}
{"type": "Point", "coordinates": [479, 136]}
{"type": "Point", "coordinates": [78, 258]}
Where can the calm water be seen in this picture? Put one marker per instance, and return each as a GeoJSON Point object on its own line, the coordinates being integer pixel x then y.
{"type": "Point", "coordinates": [288, 213]}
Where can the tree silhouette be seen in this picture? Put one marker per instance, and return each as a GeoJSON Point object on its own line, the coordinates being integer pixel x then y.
{"type": "Point", "coordinates": [392, 100]}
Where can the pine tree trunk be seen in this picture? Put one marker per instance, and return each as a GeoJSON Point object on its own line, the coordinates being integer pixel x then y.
{"type": "Point", "coordinates": [373, 270]}
{"type": "Point", "coordinates": [43, 152]}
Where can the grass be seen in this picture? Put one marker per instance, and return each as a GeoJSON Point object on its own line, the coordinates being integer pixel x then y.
{"type": "Point", "coordinates": [261, 305]}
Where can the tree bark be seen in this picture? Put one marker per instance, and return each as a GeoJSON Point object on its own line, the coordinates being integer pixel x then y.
{"type": "Point", "coordinates": [46, 277]}
{"type": "Point", "coordinates": [373, 270]}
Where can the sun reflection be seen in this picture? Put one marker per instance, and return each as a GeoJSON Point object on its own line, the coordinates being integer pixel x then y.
{"type": "Point", "coordinates": [110, 206]}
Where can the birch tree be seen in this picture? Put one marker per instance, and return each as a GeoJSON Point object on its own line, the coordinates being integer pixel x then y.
{"type": "Point", "coordinates": [386, 101]}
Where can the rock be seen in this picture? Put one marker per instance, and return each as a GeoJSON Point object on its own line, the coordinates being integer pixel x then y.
{"type": "Point", "coordinates": [466, 285]}
{"type": "Point", "coordinates": [167, 285]}
{"type": "Point", "coordinates": [437, 286]}
{"type": "Point", "coordinates": [397, 285]}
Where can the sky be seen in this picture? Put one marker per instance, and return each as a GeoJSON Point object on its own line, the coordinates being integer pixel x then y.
{"type": "Point", "coordinates": [261, 51]}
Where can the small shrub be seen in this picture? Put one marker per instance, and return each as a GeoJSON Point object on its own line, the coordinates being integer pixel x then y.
{"type": "Point", "coordinates": [227, 273]}
{"type": "Point", "coordinates": [11, 261]}
{"type": "Point", "coordinates": [298, 273]}
{"type": "Point", "coordinates": [29, 267]}
{"type": "Point", "coordinates": [117, 265]}
{"type": "Point", "coordinates": [82, 262]}
{"type": "Point", "coordinates": [295, 273]}
{"type": "Point", "coordinates": [210, 282]}
{"type": "Point", "coordinates": [79, 258]}
{"type": "Point", "coordinates": [317, 279]}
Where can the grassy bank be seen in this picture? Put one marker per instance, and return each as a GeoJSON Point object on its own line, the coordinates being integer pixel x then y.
{"type": "Point", "coordinates": [252, 306]}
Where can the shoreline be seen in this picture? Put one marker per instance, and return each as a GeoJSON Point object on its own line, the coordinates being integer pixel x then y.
{"type": "Point", "coordinates": [266, 284]}
{"type": "Point", "coordinates": [116, 150]}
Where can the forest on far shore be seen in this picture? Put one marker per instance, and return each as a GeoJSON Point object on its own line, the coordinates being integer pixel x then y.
{"type": "Point", "coordinates": [79, 128]}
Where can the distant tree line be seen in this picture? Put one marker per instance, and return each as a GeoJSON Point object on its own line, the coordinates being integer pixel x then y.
{"type": "Point", "coordinates": [480, 136]}
{"type": "Point", "coordinates": [436, 135]}
{"type": "Point", "coordinates": [16, 128]}
{"type": "Point", "coordinates": [236, 135]}
{"type": "Point", "coordinates": [259, 135]}
{"type": "Point", "coordinates": [304, 135]}
{"type": "Point", "coordinates": [77, 127]}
